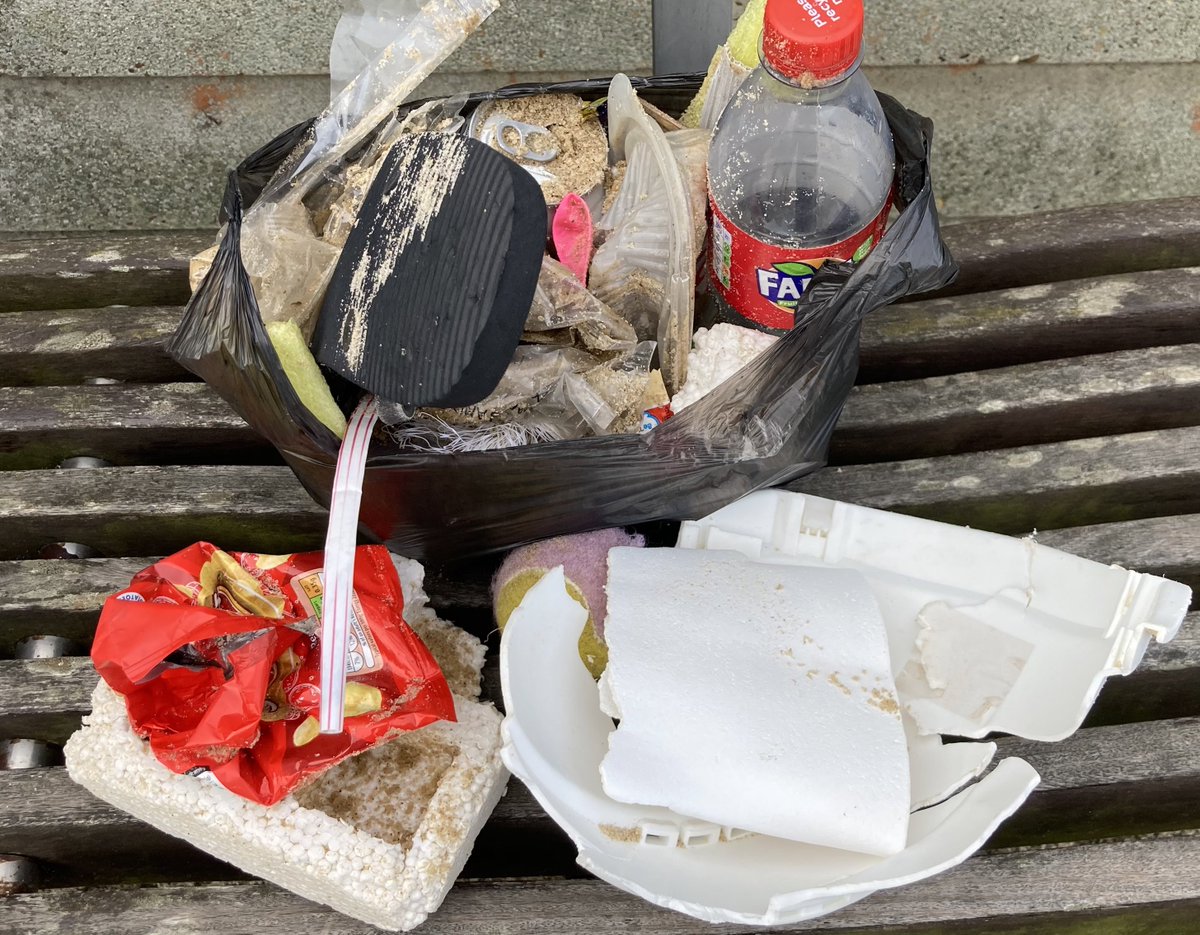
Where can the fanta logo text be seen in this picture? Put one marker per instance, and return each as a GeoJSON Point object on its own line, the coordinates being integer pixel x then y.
{"type": "Point", "coordinates": [783, 283]}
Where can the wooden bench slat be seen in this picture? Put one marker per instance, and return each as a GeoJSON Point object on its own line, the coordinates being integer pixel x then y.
{"type": "Point", "coordinates": [922, 338]}
{"type": "Point", "coordinates": [63, 598]}
{"type": "Point", "coordinates": [86, 269]}
{"type": "Point", "coordinates": [67, 346]}
{"type": "Point", "coordinates": [133, 510]}
{"type": "Point", "coordinates": [44, 699]}
{"type": "Point", "coordinates": [1159, 877]}
{"type": "Point", "coordinates": [1106, 394]}
{"type": "Point", "coordinates": [1167, 546]}
{"type": "Point", "coordinates": [1112, 755]}
{"type": "Point", "coordinates": [1003, 252]}
{"type": "Point", "coordinates": [129, 511]}
{"type": "Point", "coordinates": [1082, 797]}
{"type": "Point", "coordinates": [134, 423]}
{"type": "Point", "coordinates": [1073, 483]}
{"type": "Point", "coordinates": [918, 339]}
{"type": "Point", "coordinates": [1042, 322]}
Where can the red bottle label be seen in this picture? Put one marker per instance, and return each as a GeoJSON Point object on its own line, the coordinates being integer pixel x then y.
{"type": "Point", "coordinates": [764, 282]}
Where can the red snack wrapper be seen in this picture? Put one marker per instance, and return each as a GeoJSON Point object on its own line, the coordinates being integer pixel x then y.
{"type": "Point", "coordinates": [218, 657]}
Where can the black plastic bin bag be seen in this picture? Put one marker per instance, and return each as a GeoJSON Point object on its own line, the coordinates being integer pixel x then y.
{"type": "Point", "coordinates": [768, 424]}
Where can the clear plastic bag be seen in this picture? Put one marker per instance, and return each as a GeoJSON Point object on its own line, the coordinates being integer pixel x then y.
{"type": "Point", "coordinates": [563, 309]}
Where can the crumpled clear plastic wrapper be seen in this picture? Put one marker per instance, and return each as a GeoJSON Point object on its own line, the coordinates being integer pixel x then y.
{"type": "Point", "coordinates": [652, 232]}
{"type": "Point", "coordinates": [547, 393]}
{"type": "Point", "coordinates": [564, 311]}
{"type": "Point", "coordinates": [290, 259]}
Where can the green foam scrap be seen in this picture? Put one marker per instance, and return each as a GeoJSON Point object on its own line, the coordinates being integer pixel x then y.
{"type": "Point", "coordinates": [305, 376]}
{"type": "Point", "coordinates": [743, 41]}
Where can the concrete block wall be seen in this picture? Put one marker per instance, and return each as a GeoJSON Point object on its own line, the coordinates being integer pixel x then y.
{"type": "Point", "coordinates": [126, 113]}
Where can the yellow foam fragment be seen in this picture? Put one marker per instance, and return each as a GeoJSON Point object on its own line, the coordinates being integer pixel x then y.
{"type": "Point", "coordinates": [592, 650]}
{"type": "Point", "coordinates": [743, 41]}
{"type": "Point", "coordinates": [304, 375]}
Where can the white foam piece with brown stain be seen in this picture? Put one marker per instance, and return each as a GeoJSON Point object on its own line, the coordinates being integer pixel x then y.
{"type": "Point", "coordinates": [755, 696]}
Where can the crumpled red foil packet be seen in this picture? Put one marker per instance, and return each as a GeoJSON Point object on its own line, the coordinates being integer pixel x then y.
{"type": "Point", "coordinates": [218, 657]}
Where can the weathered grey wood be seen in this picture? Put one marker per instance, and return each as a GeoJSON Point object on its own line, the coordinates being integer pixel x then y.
{"type": "Point", "coordinates": [87, 270]}
{"type": "Point", "coordinates": [43, 699]}
{"type": "Point", "coordinates": [1073, 483]}
{"type": "Point", "coordinates": [66, 346]}
{"type": "Point", "coordinates": [59, 598]}
{"type": "Point", "coordinates": [131, 511]}
{"type": "Point", "coordinates": [1165, 685]}
{"type": "Point", "coordinates": [1164, 545]}
{"type": "Point", "coordinates": [999, 253]}
{"type": "Point", "coordinates": [990, 890]}
{"type": "Point", "coordinates": [46, 816]}
{"type": "Point", "coordinates": [126, 511]}
{"type": "Point", "coordinates": [922, 338]}
{"type": "Point", "coordinates": [131, 423]}
{"type": "Point", "coordinates": [1098, 756]}
{"type": "Point", "coordinates": [64, 598]}
{"type": "Point", "coordinates": [1102, 394]}
{"type": "Point", "coordinates": [1041, 322]}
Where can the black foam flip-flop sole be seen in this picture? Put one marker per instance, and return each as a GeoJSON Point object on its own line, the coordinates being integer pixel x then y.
{"type": "Point", "coordinates": [431, 292]}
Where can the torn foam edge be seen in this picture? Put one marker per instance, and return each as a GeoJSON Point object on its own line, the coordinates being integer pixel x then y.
{"type": "Point", "coordinates": [338, 574]}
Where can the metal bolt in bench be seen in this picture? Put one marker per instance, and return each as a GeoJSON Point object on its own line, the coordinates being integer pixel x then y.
{"type": "Point", "coordinates": [1056, 386]}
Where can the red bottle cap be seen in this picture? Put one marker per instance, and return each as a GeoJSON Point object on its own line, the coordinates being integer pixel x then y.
{"type": "Point", "coordinates": [812, 40]}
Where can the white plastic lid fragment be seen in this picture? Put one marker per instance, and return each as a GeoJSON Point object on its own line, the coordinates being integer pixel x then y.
{"type": "Point", "coordinates": [754, 696]}
{"type": "Point", "coordinates": [987, 632]}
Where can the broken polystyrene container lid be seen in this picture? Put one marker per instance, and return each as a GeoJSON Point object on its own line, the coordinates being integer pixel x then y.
{"type": "Point", "coordinates": [987, 632]}
{"type": "Point", "coordinates": [754, 681]}
{"type": "Point", "coordinates": [555, 737]}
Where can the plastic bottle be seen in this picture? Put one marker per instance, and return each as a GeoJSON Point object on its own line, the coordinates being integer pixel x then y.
{"type": "Point", "coordinates": [801, 165]}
